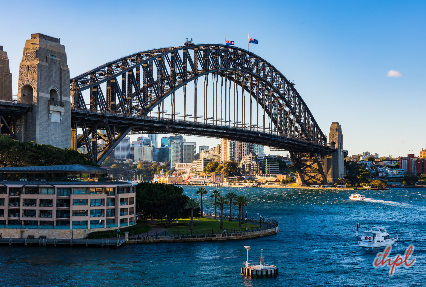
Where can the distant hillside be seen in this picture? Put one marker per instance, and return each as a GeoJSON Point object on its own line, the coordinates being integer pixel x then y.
{"type": "Point", "coordinates": [15, 153]}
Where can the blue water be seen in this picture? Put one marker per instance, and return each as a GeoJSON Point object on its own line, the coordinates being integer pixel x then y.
{"type": "Point", "coordinates": [316, 246]}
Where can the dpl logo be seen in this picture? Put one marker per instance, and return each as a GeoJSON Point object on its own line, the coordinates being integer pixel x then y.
{"type": "Point", "coordinates": [381, 259]}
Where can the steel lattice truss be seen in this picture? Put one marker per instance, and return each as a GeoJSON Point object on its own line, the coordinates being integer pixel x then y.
{"type": "Point", "coordinates": [135, 85]}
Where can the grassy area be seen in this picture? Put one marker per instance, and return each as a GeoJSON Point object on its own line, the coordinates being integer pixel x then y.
{"type": "Point", "coordinates": [205, 225]}
{"type": "Point", "coordinates": [139, 228]}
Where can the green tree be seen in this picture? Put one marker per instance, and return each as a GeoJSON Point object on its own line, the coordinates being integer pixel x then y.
{"type": "Point", "coordinates": [202, 191]}
{"type": "Point", "coordinates": [211, 167]}
{"type": "Point", "coordinates": [228, 168]}
{"type": "Point", "coordinates": [192, 203]}
{"type": "Point", "coordinates": [410, 179]}
{"type": "Point", "coordinates": [215, 194]}
{"type": "Point", "coordinates": [160, 200]}
{"type": "Point", "coordinates": [221, 200]}
{"type": "Point", "coordinates": [230, 196]}
{"type": "Point", "coordinates": [240, 200]}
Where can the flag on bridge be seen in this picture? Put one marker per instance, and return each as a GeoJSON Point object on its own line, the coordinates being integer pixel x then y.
{"type": "Point", "coordinates": [229, 42]}
{"type": "Point", "coordinates": [253, 41]}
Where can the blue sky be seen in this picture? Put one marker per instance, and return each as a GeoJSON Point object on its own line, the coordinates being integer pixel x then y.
{"type": "Point", "coordinates": [337, 52]}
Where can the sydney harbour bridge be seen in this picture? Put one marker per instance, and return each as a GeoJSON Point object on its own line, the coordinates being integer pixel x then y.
{"type": "Point", "coordinates": [210, 90]}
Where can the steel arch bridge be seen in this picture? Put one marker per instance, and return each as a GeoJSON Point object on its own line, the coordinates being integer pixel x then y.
{"type": "Point", "coordinates": [250, 101]}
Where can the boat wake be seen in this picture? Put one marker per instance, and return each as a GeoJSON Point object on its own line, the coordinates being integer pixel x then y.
{"type": "Point", "coordinates": [393, 203]}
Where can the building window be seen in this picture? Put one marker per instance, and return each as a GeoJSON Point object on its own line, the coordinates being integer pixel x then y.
{"type": "Point", "coordinates": [1, 213]}
{"type": "Point", "coordinates": [97, 213]}
{"type": "Point", "coordinates": [14, 202]}
{"type": "Point", "coordinates": [124, 201]}
{"type": "Point", "coordinates": [31, 190]}
{"type": "Point", "coordinates": [96, 224]}
{"type": "Point", "coordinates": [46, 203]}
{"type": "Point", "coordinates": [79, 213]}
{"type": "Point", "coordinates": [62, 214]}
{"type": "Point", "coordinates": [28, 213]}
{"type": "Point", "coordinates": [97, 202]}
{"type": "Point", "coordinates": [131, 200]}
{"type": "Point", "coordinates": [124, 211]}
{"type": "Point", "coordinates": [15, 191]}
{"type": "Point", "coordinates": [13, 213]}
{"type": "Point", "coordinates": [98, 190]}
{"type": "Point", "coordinates": [79, 201]}
{"type": "Point", "coordinates": [47, 190]}
{"type": "Point", "coordinates": [3, 189]}
{"type": "Point", "coordinates": [79, 224]}
{"type": "Point", "coordinates": [110, 191]}
{"type": "Point", "coordinates": [62, 203]}
{"type": "Point", "coordinates": [80, 191]}
{"type": "Point", "coordinates": [110, 213]}
{"type": "Point", "coordinates": [46, 213]}
{"type": "Point", "coordinates": [30, 202]}
{"type": "Point", "coordinates": [110, 201]}
{"type": "Point", "coordinates": [1, 201]}
{"type": "Point", "coordinates": [64, 191]}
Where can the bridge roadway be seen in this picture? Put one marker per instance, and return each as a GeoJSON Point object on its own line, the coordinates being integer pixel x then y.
{"type": "Point", "coordinates": [155, 125]}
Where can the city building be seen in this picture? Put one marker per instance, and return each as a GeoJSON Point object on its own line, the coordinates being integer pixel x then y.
{"type": "Point", "coordinates": [122, 150]}
{"type": "Point", "coordinates": [423, 153]}
{"type": "Point", "coordinates": [202, 147]}
{"type": "Point", "coordinates": [165, 141]}
{"type": "Point", "coordinates": [250, 165]}
{"type": "Point", "coordinates": [270, 164]}
{"type": "Point", "coordinates": [176, 152]}
{"type": "Point", "coordinates": [153, 139]}
{"type": "Point", "coordinates": [257, 149]}
{"type": "Point", "coordinates": [161, 154]}
{"type": "Point", "coordinates": [62, 201]}
{"type": "Point", "coordinates": [188, 152]}
{"type": "Point", "coordinates": [147, 153]}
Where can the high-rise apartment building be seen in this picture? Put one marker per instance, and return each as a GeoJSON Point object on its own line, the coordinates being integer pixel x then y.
{"type": "Point", "coordinates": [188, 152]}
{"type": "Point", "coordinates": [153, 138]}
{"type": "Point", "coordinates": [122, 150]}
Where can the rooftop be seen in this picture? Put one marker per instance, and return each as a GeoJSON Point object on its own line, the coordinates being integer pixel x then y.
{"type": "Point", "coordinates": [71, 168]}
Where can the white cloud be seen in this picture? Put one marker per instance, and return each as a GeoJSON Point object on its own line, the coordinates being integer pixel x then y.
{"type": "Point", "coordinates": [393, 73]}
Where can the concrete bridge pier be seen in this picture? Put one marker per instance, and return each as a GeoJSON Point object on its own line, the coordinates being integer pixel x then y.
{"type": "Point", "coordinates": [44, 83]}
{"type": "Point", "coordinates": [334, 164]}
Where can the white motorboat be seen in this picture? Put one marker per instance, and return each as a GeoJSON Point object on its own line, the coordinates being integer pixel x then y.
{"type": "Point", "coordinates": [356, 196]}
{"type": "Point", "coordinates": [376, 237]}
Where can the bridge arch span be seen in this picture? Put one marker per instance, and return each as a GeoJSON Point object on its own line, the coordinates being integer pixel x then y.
{"type": "Point", "coordinates": [124, 93]}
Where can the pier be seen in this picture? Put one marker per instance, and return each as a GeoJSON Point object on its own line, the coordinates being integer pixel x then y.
{"type": "Point", "coordinates": [63, 242]}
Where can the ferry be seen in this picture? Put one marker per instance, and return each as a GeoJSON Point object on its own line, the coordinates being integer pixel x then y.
{"type": "Point", "coordinates": [376, 237]}
{"type": "Point", "coordinates": [356, 196]}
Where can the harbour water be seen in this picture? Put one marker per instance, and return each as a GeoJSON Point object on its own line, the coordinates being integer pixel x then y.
{"type": "Point", "coordinates": [316, 246]}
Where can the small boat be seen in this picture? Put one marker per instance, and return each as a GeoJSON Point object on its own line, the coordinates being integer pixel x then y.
{"type": "Point", "coordinates": [376, 237]}
{"type": "Point", "coordinates": [356, 196]}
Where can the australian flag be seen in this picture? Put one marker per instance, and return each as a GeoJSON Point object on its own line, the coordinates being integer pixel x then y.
{"type": "Point", "coordinates": [229, 42]}
{"type": "Point", "coordinates": [253, 41]}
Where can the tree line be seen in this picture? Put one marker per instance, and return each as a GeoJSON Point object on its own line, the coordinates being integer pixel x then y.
{"type": "Point", "coordinates": [16, 154]}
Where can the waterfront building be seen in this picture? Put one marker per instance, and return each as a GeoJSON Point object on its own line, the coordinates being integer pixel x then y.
{"type": "Point", "coordinates": [63, 198]}
{"type": "Point", "coordinates": [395, 172]}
